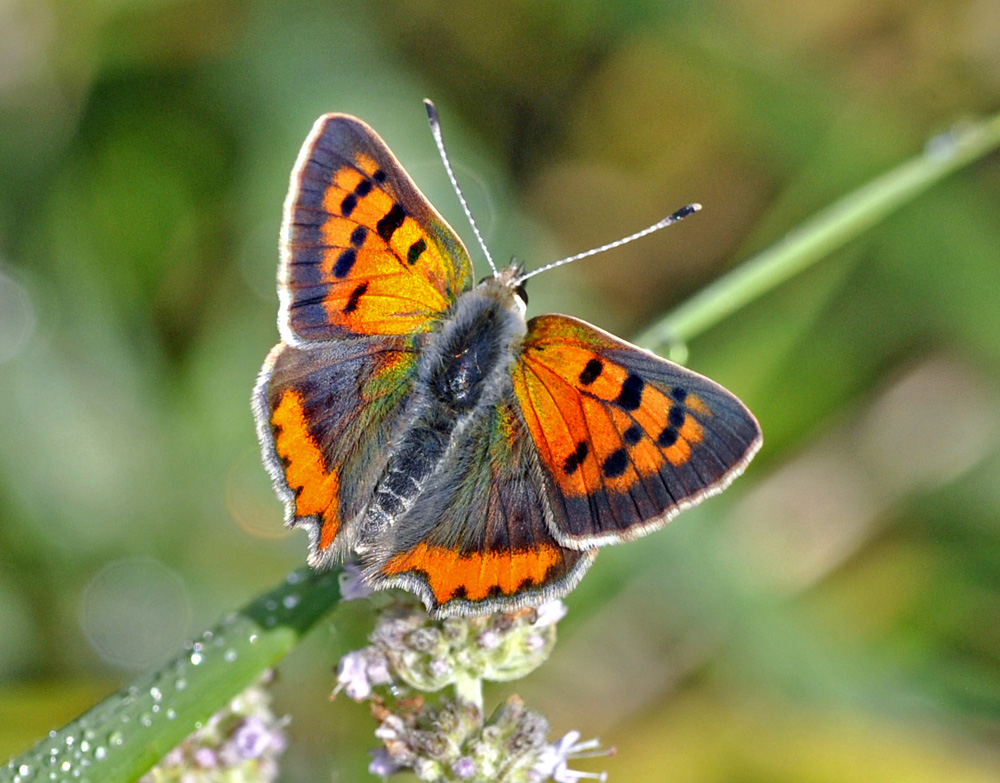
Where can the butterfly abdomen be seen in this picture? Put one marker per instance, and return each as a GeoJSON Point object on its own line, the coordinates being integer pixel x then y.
{"type": "Point", "coordinates": [464, 366]}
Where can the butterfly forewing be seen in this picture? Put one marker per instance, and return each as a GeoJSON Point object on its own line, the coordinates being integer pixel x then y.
{"type": "Point", "coordinates": [626, 439]}
{"type": "Point", "coordinates": [363, 252]}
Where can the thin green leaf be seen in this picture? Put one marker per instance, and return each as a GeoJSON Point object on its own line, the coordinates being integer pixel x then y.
{"type": "Point", "coordinates": [122, 737]}
{"type": "Point", "coordinates": [826, 231]}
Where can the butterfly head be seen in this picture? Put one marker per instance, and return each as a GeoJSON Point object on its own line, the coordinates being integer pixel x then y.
{"type": "Point", "coordinates": [507, 285]}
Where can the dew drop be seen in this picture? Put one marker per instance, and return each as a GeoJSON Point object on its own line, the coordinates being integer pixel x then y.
{"type": "Point", "coordinates": [65, 766]}
{"type": "Point", "coordinates": [85, 747]}
{"type": "Point", "coordinates": [24, 769]}
{"type": "Point", "coordinates": [294, 578]}
{"type": "Point", "coordinates": [100, 752]}
{"type": "Point", "coordinates": [253, 638]}
{"type": "Point", "coordinates": [171, 714]}
{"type": "Point", "coordinates": [230, 656]}
{"type": "Point", "coordinates": [198, 725]}
{"type": "Point", "coordinates": [290, 601]}
{"type": "Point", "coordinates": [270, 604]}
{"type": "Point", "coordinates": [270, 620]}
{"type": "Point", "coordinates": [116, 738]}
{"type": "Point", "coordinates": [181, 684]}
{"type": "Point", "coordinates": [156, 693]}
{"type": "Point", "coordinates": [196, 658]}
{"type": "Point", "coordinates": [146, 719]}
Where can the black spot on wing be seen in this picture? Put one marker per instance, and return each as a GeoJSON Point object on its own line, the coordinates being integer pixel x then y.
{"type": "Point", "coordinates": [355, 297]}
{"type": "Point", "coordinates": [358, 236]}
{"type": "Point", "coordinates": [668, 437]}
{"type": "Point", "coordinates": [363, 188]}
{"type": "Point", "coordinates": [630, 396]}
{"type": "Point", "coordinates": [348, 204]}
{"type": "Point", "coordinates": [632, 435]}
{"type": "Point", "coordinates": [345, 262]}
{"type": "Point", "coordinates": [391, 221]}
{"type": "Point", "coordinates": [379, 176]}
{"type": "Point", "coordinates": [679, 393]}
{"type": "Point", "coordinates": [415, 251]}
{"type": "Point", "coordinates": [591, 372]}
{"type": "Point", "coordinates": [574, 460]}
{"type": "Point", "coordinates": [676, 416]}
{"type": "Point", "coordinates": [616, 463]}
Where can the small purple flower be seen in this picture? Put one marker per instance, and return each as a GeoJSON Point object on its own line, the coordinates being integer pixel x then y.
{"type": "Point", "coordinates": [252, 738]}
{"type": "Point", "coordinates": [203, 757]}
{"type": "Point", "coordinates": [382, 763]}
{"type": "Point", "coordinates": [489, 640]}
{"type": "Point", "coordinates": [552, 762]}
{"type": "Point", "coordinates": [439, 667]}
{"type": "Point", "coordinates": [550, 613]}
{"type": "Point", "coordinates": [352, 675]}
{"type": "Point", "coordinates": [352, 584]}
{"type": "Point", "coordinates": [534, 642]}
{"type": "Point", "coordinates": [377, 667]}
{"type": "Point", "coordinates": [464, 768]}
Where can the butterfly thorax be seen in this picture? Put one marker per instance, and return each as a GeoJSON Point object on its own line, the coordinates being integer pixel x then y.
{"type": "Point", "coordinates": [464, 370]}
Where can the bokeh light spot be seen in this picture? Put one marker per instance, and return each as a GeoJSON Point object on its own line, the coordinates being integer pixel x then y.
{"type": "Point", "coordinates": [135, 612]}
{"type": "Point", "coordinates": [17, 317]}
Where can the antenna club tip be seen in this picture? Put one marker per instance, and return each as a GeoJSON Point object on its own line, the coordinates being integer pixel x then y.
{"type": "Point", "coordinates": [683, 212]}
{"type": "Point", "coordinates": [432, 113]}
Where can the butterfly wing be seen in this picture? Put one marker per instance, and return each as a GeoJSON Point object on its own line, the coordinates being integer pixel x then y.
{"type": "Point", "coordinates": [626, 439]}
{"type": "Point", "coordinates": [362, 251]}
{"type": "Point", "coordinates": [479, 540]}
{"type": "Point", "coordinates": [325, 416]}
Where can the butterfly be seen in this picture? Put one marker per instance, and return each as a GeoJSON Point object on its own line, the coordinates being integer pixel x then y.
{"type": "Point", "coordinates": [416, 422]}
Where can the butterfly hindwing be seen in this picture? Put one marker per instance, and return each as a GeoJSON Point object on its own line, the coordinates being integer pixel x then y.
{"type": "Point", "coordinates": [479, 540]}
{"type": "Point", "coordinates": [326, 414]}
{"type": "Point", "coordinates": [626, 439]}
{"type": "Point", "coordinates": [363, 252]}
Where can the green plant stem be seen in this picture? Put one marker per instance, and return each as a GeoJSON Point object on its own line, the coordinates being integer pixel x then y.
{"type": "Point", "coordinates": [469, 690]}
{"type": "Point", "coordinates": [122, 737]}
{"type": "Point", "coordinates": [826, 231]}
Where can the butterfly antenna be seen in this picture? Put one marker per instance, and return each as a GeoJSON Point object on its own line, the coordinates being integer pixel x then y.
{"type": "Point", "coordinates": [676, 217]}
{"type": "Point", "coordinates": [432, 118]}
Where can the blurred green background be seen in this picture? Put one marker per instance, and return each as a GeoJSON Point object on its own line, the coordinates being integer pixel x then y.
{"type": "Point", "coordinates": [834, 617]}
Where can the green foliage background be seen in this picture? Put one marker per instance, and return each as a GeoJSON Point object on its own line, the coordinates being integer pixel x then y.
{"type": "Point", "coordinates": [834, 617]}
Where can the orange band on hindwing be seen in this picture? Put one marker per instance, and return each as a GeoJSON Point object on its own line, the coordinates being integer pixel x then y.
{"type": "Point", "coordinates": [317, 490]}
{"type": "Point", "coordinates": [475, 576]}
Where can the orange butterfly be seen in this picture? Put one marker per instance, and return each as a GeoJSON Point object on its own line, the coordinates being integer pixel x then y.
{"type": "Point", "coordinates": [417, 422]}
